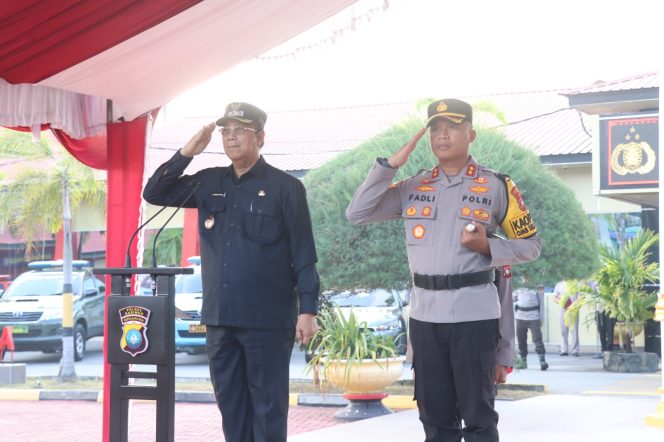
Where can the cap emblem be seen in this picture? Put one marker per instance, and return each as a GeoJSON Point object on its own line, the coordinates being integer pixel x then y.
{"type": "Point", "coordinates": [442, 107]}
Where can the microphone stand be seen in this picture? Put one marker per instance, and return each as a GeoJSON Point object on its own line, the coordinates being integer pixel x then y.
{"type": "Point", "coordinates": [154, 242]}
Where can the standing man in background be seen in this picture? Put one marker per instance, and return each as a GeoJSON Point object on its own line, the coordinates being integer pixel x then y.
{"type": "Point", "coordinates": [450, 213]}
{"type": "Point", "coordinates": [529, 307]}
{"type": "Point", "coordinates": [558, 291]}
{"type": "Point", "coordinates": [257, 247]}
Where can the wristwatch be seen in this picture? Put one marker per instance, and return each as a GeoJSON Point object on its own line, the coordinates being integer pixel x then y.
{"type": "Point", "coordinates": [384, 162]}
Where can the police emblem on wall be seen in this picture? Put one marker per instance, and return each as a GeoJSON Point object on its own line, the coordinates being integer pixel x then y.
{"type": "Point", "coordinates": [134, 321]}
{"type": "Point", "coordinates": [629, 149]}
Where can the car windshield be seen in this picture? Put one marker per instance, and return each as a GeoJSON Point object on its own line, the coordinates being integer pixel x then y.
{"type": "Point", "coordinates": [39, 284]}
{"type": "Point", "coordinates": [373, 298]}
{"type": "Point", "coordinates": [189, 284]}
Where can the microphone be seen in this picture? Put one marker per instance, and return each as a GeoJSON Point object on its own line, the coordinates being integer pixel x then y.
{"type": "Point", "coordinates": [195, 186]}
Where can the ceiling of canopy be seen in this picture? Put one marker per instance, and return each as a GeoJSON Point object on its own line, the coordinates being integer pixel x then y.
{"type": "Point", "coordinates": [142, 54]}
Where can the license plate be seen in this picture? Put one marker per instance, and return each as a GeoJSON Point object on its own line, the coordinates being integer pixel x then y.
{"type": "Point", "coordinates": [197, 328]}
{"type": "Point", "coordinates": [19, 330]}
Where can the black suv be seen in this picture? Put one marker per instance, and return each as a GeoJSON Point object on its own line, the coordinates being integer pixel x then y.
{"type": "Point", "coordinates": [32, 307]}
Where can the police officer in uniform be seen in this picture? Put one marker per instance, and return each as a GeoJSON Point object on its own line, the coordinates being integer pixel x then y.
{"type": "Point", "coordinates": [451, 213]}
{"type": "Point", "coordinates": [529, 306]}
{"type": "Point", "coordinates": [257, 247]}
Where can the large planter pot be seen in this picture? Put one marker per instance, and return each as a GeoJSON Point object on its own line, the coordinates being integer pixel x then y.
{"type": "Point", "coordinates": [630, 362]}
{"type": "Point", "coordinates": [637, 327]}
{"type": "Point", "coordinates": [367, 376]}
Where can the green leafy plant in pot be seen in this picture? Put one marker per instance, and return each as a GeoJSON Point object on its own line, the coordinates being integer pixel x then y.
{"type": "Point", "coordinates": [351, 356]}
{"type": "Point", "coordinates": [621, 280]}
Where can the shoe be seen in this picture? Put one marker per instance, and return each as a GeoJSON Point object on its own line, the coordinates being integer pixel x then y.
{"type": "Point", "coordinates": [543, 365]}
{"type": "Point", "coordinates": [576, 354]}
{"type": "Point", "coordinates": [564, 353]}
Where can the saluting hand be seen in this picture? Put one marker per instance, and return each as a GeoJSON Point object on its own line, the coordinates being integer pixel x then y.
{"type": "Point", "coordinates": [475, 240]}
{"type": "Point", "coordinates": [306, 328]}
{"type": "Point", "coordinates": [401, 156]}
{"type": "Point", "coordinates": [198, 142]}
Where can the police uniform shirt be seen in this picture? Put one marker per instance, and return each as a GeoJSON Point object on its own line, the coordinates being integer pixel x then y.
{"type": "Point", "coordinates": [256, 241]}
{"type": "Point", "coordinates": [532, 301]}
{"type": "Point", "coordinates": [435, 209]}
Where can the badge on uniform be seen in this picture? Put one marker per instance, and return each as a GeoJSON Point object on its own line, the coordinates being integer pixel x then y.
{"type": "Point", "coordinates": [419, 231]}
{"type": "Point", "coordinates": [507, 271]}
{"type": "Point", "coordinates": [261, 193]}
{"type": "Point", "coordinates": [411, 211]}
{"type": "Point", "coordinates": [481, 214]}
{"type": "Point", "coordinates": [426, 211]}
{"type": "Point", "coordinates": [479, 189]}
{"type": "Point", "coordinates": [209, 222]}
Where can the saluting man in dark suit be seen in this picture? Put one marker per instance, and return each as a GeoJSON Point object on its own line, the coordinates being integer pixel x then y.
{"type": "Point", "coordinates": [257, 248]}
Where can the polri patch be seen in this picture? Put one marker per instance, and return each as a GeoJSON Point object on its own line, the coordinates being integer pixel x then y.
{"type": "Point", "coordinates": [134, 321]}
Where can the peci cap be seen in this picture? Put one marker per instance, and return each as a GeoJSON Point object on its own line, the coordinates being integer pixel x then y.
{"type": "Point", "coordinates": [456, 111]}
{"type": "Point", "coordinates": [245, 113]}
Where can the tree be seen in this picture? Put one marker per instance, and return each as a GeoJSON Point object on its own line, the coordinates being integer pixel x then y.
{"type": "Point", "coordinates": [375, 255]}
{"type": "Point", "coordinates": [36, 200]}
{"type": "Point", "coordinates": [31, 202]}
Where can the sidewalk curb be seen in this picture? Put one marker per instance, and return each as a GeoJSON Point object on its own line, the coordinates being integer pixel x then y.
{"type": "Point", "coordinates": [304, 399]}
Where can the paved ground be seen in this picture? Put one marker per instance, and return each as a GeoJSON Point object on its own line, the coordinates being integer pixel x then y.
{"type": "Point", "coordinates": [78, 421]}
{"type": "Point", "coordinates": [584, 403]}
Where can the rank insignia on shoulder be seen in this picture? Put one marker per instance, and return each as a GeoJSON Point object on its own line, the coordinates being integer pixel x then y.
{"type": "Point", "coordinates": [435, 172]}
{"type": "Point", "coordinates": [480, 180]}
{"type": "Point", "coordinates": [471, 170]}
{"type": "Point", "coordinates": [419, 231]}
{"type": "Point", "coordinates": [411, 211]}
{"type": "Point", "coordinates": [394, 185]}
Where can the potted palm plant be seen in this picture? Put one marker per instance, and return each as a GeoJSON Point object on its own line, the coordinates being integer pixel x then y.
{"type": "Point", "coordinates": [354, 358]}
{"type": "Point", "coordinates": [620, 292]}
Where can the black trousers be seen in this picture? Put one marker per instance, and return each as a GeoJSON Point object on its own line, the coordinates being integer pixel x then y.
{"type": "Point", "coordinates": [605, 327]}
{"type": "Point", "coordinates": [249, 372]}
{"type": "Point", "coordinates": [522, 327]}
{"type": "Point", "coordinates": [454, 379]}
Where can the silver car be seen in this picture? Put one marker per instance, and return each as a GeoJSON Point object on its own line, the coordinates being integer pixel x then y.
{"type": "Point", "coordinates": [32, 307]}
{"type": "Point", "coordinates": [384, 311]}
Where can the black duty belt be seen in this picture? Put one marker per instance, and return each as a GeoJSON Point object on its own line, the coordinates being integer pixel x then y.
{"type": "Point", "coordinates": [448, 282]}
{"type": "Point", "coordinates": [526, 309]}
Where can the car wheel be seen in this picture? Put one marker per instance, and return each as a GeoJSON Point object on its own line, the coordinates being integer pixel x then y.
{"type": "Point", "coordinates": [79, 342]}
